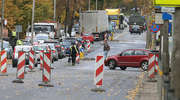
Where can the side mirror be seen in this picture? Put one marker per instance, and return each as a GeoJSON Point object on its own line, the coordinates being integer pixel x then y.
{"type": "Point", "coordinates": [120, 54]}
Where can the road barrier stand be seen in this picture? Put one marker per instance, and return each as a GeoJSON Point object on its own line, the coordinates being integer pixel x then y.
{"type": "Point", "coordinates": [81, 49]}
{"type": "Point", "coordinates": [77, 58]}
{"type": "Point", "coordinates": [88, 46]}
{"type": "Point", "coordinates": [41, 60]}
{"type": "Point", "coordinates": [98, 76]}
{"type": "Point", "coordinates": [3, 67]}
{"type": "Point", "coordinates": [20, 67]}
{"type": "Point", "coordinates": [46, 72]}
{"type": "Point", "coordinates": [153, 67]}
{"type": "Point", "coordinates": [31, 60]}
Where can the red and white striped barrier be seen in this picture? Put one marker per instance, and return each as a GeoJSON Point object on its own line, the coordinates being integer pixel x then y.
{"type": "Point", "coordinates": [20, 67]}
{"type": "Point", "coordinates": [47, 67]}
{"type": "Point", "coordinates": [88, 46]}
{"type": "Point", "coordinates": [3, 68]}
{"type": "Point", "coordinates": [46, 70]}
{"type": "Point", "coordinates": [31, 59]}
{"type": "Point", "coordinates": [99, 70]}
{"type": "Point", "coordinates": [41, 59]}
{"type": "Point", "coordinates": [153, 64]}
{"type": "Point", "coordinates": [151, 68]}
{"type": "Point", "coordinates": [77, 58]}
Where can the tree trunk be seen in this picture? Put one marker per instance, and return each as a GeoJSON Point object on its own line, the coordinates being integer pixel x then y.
{"type": "Point", "coordinates": [176, 55]}
{"type": "Point", "coordinates": [67, 16]}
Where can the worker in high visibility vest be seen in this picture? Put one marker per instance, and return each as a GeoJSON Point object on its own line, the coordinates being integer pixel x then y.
{"type": "Point", "coordinates": [13, 33]}
{"type": "Point", "coordinates": [74, 51]}
{"type": "Point", "coordinates": [19, 42]}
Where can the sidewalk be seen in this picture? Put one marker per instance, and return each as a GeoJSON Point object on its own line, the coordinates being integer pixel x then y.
{"type": "Point", "coordinates": [148, 90]}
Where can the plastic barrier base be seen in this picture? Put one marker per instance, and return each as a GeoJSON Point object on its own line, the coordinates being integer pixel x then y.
{"type": "Point", "coordinates": [18, 81]}
{"type": "Point", "coordinates": [98, 90]}
{"type": "Point", "coordinates": [3, 74]}
{"type": "Point", "coordinates": [46, 85]}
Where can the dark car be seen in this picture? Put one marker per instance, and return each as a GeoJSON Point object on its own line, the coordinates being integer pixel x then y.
{"type": "Point", "coordinates": [60, 50]}
{"type": "Point", "coordinates": [137, 58]}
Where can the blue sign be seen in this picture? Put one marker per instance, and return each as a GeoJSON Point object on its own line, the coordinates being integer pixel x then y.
{"type": "Point", "coordinates": [154, 28]}
{"type": "Point", "coordinates": [167, 16]}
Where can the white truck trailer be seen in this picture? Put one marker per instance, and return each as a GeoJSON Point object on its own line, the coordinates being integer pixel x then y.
{"type": "Point", "coordinates": [95, 22]}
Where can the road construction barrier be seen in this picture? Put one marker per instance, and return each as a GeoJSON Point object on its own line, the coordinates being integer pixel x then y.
{"type": "Point", "coordinates": [31, 60]}
{"type": "Point", "coordinates": [41, 59]}
{"type": "Point", "coordinates": [77, 58]}
{"type": "Point", "coordinates": [46, 72]}
{"type": "Point", "coordinates": [20, 67]}
{"type": "Point", "coordinates": [3, 67]}
{"type": "Point", "coordinates": [98, 76]}
{"type": "Point", "coordinates": [88, 46]}
{"type": "Point", "coordinates": [153, 65]}
{"type": "Point", "coordinates": [99, 69]}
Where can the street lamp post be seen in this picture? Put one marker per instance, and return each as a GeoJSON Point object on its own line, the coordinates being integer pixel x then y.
{"type": "Point", "coordinates": [96, 4]}
{"type": "Point", "coordinates": [89, 5]}
{"type": "Point", "coordinates": [32, 23]}
{"type": "Point", "coordinates": [2, 22]}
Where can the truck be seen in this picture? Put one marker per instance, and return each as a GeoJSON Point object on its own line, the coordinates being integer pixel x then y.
{"type": "Point", "coordinates": [94, 22]}
{"type": "Point", "coordinates": [115, 18]}
{"type": "Point", "coordinates": [135, 20]}
{"type": "Point", "coordinates": [46, 27]}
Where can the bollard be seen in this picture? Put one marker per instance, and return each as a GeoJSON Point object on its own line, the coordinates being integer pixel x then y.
{"type": "Point", "coordinates": [31, 60]}
{"type": "Point", "coordinates": [46, 72]}
{"type": "Point", "coordinates": [88, 46]}
{"type": "Point", "coordinates": [3, 67]}
{"type": "Point", "coordinates": [20, 68]}
{"type": "Point", "coordinates": [98, 76]}
{"type": "Point", "coordinates": [41, 59]}
{"type": "Point", "coordinates": [77, 58]}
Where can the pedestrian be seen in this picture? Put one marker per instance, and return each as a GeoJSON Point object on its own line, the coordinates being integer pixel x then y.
{"type": "Point", "coordinates": [106, 49]}
{"type": "Point", "coordinates": [74, 51]}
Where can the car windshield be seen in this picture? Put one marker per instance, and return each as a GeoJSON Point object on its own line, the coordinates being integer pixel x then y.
{"type": "Point", "coordinates": [43, 28]}
{"type": "Point", "coordinates": [42, 37]}
{"type": "Point", "coordinates": [66, 43]}
{"type": "Point", "coordinates": [5, 44]}
{"type": "Point", "coordinates": [39, 48]}
{"type": "Point", "coordinates": [23, 48]}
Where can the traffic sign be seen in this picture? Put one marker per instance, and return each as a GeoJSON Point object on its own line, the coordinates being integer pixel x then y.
{"type": "Point", "coordinates": [158, 18]}
{"type": "Point", "coordinates": [18, 28]}
{"type": "Point", "coordinates": [167, 3]}
{"type": "Point", "coordinates": [154, 28]}
{"type": "Point", "coordinates": [167, 16]}
{"type": "Point", "coordinates": [168, 9]}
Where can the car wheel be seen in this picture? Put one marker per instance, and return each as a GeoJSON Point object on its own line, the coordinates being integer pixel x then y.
{"type": "Point", "coordinates": [144, 65]}
{"type": "Point", "coordinates": [112, 64]}
{"type": "Point", "coordinates": [123, 68]}
{"type": "Point", "coordinates": [35, 64]}
{"type": "Point", "coordinates": [14, 64]}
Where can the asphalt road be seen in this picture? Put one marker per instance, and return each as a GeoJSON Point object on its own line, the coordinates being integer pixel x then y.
{"type": "Point", "coordinates": [76, 82]}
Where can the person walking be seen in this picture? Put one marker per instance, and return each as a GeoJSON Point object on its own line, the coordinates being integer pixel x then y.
{"type": "Point", "coordinates": [106, 49]}
{"type": "Point", "coordinates": [74, 51]}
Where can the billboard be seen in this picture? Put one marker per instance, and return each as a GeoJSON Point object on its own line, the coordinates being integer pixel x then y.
{"type": "Point", "coordinates": [167, 3]}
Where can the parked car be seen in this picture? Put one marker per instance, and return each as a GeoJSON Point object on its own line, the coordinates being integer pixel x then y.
{"type": "Point", "coordinates": [7, 48]}
{"type": "Point", "coordinates": [53, 52]}
{"type": "Point", "coordinates": [24, 48]}
{"type": "Point", "coordinates": [137, 58]}
{"type": "Point", "coordinates": [135, 29]}
{"type": "Point", "coordinates": [38, 49]}
{"type": "Point", "coordinates": [88, 37]}
{"type": "Point", "coordinates": [60, 50]}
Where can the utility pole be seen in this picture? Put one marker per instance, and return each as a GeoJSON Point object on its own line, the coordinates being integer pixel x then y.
{"type": "Point", "coordinates": [2, 23]}
{"type": "Point", "coordinates": [54, 10]}
{"type": "Point", "coordinates": [89, 5]}
{"type": "Point", "coordinates": [32, 23]}
{"type": "Point", "coordinates": [96, 4]}
{"type": "Point", "coordinates": [175, 80]}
